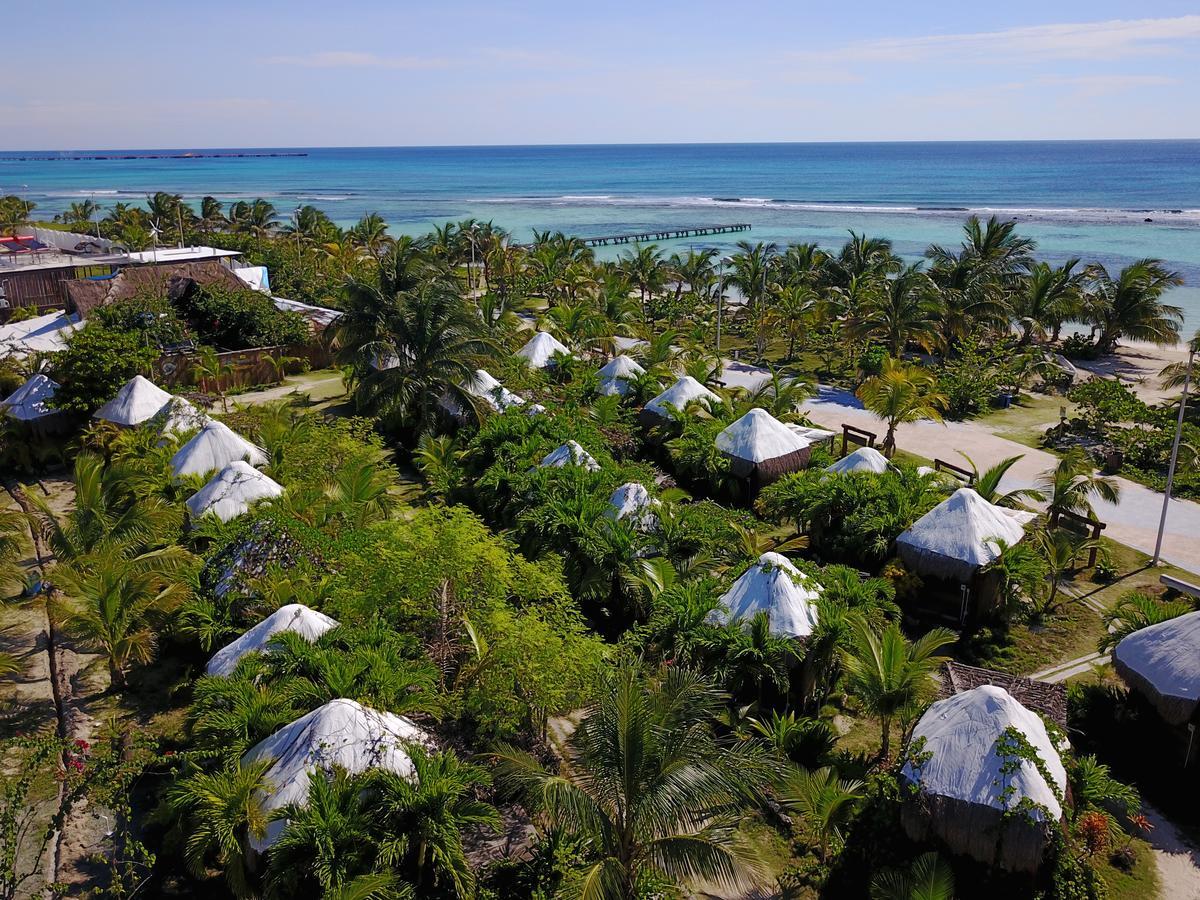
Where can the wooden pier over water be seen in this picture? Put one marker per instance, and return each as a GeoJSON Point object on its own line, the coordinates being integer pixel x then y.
{"type": "Point", "coordinates": [663, 234]}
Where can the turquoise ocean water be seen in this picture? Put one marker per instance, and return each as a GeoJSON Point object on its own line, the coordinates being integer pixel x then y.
{"type": "Point", "coordinates": [1105, 201]}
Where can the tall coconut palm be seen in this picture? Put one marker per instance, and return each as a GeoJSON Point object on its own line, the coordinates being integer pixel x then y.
{"type": "Point", "coordinates": [218, 813]}
{"type": "Point", "coordinates": [81, 212]}
{"type": "Point", "coordinates": [1045, 298]}
{"type": "Point", "coordinates": [899, 394]}
{"type": "Point", "coordinates": [646, 270]}
{"type": "Point", "coordinates": [647, 784]}
{"type": "Point", "coordinates": [1130, 305]}
{"type": "Point", "coordinates": [212, 215]}
{"type": "Point", "coordinates": [370, 233]}
{"type": "Point", "coordinates": [824, 802]}
{"type": "Point", "coordinates": [425, 346]}
{"type": "Point", "coordinates": [861, 258]}
{"type": "Point", "coordinates": [1071, 486]}
{"type": "Point", "coordinates": [890, 675]}
{"type": "Point", "coordinates": [902, 312]}
{"type": "Point", "coordinates": [928, 877]}
{"type": "Point", "coordinates": [987, 484]}
{"type": "Point", "coordinates": [750, 270]}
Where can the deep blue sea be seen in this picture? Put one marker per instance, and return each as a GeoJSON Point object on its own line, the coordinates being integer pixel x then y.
{"type": "Point", "coordinates": [1105, 201]}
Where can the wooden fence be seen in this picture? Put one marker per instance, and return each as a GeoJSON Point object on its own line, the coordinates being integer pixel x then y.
{"type": "Point", "coordinates": [242, 368]}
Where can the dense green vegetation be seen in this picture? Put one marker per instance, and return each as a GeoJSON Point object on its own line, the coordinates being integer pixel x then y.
{"type": "Point", "coordinates": [565, 663]}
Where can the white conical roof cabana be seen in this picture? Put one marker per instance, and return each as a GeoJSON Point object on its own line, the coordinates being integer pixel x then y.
{"type": "Point", "coordinates": [679, 395]}
{"type": "Point", "coordinates": [569, 454]}
{"type": "Point", "coordinates": [958, 774]}
{"type": "Point", "coordinates": [1163, 663]}
{"type": "Point", "coordinates": [774, 586]}
{"type": "Point", "coordinates": [340, 733]}
{"type": "Point", "coordinates": [296, 617]}
{"type": "Point", "coordinates": [632, 500]}
{"type": "Point", "coordinates": [232, 491]}
{"type": "Point", "coordinates": [214, 447]}
{"type": "Point", "coordinates": [615, 375]}
{"type": "Point", "coordinates": [492, 392]}
{"type": "Point", "coordinates": [30, 401]}
{"type": "Point", "coordinates": [180, 416]}
{"type": "Point", "coordinates": [140, 400]}
{"type": "Point", "coordinates": [864, 459]}
{"type": "Point", "coordinates": [759, 444]}
{"type": "Point", "coordinates": [539, 351]}
{"type": "Point", "coordinates": [958, 537]}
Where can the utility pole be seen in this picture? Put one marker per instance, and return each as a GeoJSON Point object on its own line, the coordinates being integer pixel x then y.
{"type": "Point", "coordinates": [1162, 519]}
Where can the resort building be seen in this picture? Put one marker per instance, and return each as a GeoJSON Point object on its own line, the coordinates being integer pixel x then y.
{"type": "Point", "coordinates": [30, 405]}
{"type": "Point", "coordinates": [540, 350]}
{"type": "Point", "coordinates": [1162, 664]}
{"type": "Point", "coordinates": [677, 397]}
{"type": "Point", "coordinates": [616, 374]}
{"type": "Point", "coordinates": [761, 448]}
{"type": "Point", "coordinates": [864, 459]}
{"type": "Point", "coordinates": [569, 454]}
{"type": "Point", "coordinates": [294, 617]}
{"type": "Point", "coordinates": [632, 501]}
{"type": "Point", "coordinates": [776, 587]}
{"type": "Point", "coordinates": [138, 401]}
{"type": "Point", "coordinates": [214, 447]}
{"type": "Point", "coordinates": [232, 491]}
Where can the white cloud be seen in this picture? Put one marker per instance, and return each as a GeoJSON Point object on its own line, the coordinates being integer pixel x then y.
{"type": "Point", "coordinates": [351, 59]}
{"type": "Point", "coordinates": [1093, 41]}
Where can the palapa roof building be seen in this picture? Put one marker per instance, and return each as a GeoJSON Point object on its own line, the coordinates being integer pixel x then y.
{"type": "Point", "coordinates": [569, 454]}
{"type": "Point", "coordinates": [40, 334]}
{"type": "Point", "coordinates": [232, 491]}
{"type": "Point", "coordinates": [1046, 699]}
{"type": "Point", "coordinates": [632, 501]}
{"type": "Point", "coordinates": [958, 537]}
{"type": "Point", "coordinates": [341, 733]}
{"type": "Point", "coordinates": [234, 567]}
{"type": "Point", "coordinates": [679, 395]}
{"type": "Point", "coordinates": [615, 375]}
{"type": "Point", "coordinates": [214, 447]}
{"type": "Point", "coordinates": [963, 792]}
{"type": "Point", "coordinates": [30, 402]}
{"type": "Point", "coordinates": [539, 350]}
{"type": "Point", "coordinates": [493, 394]}
{"type": "Point", "coordinates": [138, 401]}
{"type": "Point", "coordinates": [762, 448]}
{"type": "Point", "coordinates": [294, 617]}
{"type": "Point", "coordinates": [1162, 663]}
{"type": "Point", "coordinates": [180, 416]}
{"type": "Point", "coordinates": [774, 586]}
{"type": "Point", "coordinates": [864, 459]}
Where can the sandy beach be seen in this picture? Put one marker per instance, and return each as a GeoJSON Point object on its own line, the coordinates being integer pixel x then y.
{"type": "Point", "coordinates": [1137, 363]}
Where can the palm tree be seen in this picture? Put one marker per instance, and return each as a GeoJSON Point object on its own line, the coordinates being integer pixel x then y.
{"type": "Point", "coordinates": [435, 342]}
{"type": "Point", "coordinates": [359, 495]}
{"type": "Point", "coordinates": [1071, 486]}
{"type": "Point", "coordinates": [1136, 611]}
{"type": "Point", "coordinates": [902, 312]}
{"type": "Point", "coordinates": [14, 526]}
{"type": "Point", "coordinates": [218, 814]}
{"type": "Point", "coordinates": [645, 269]}
{"type": "Point", "coordinates": [890, 675]}
{"type": "Point", "coordinates": [1060, 550]}
{"type": "Point", "coordinates": [81, 212]}
{"type": "Point", "coordinates": [750, 271]}
{"type": "Point", "coordinates": [647, 784]}
{"type": "Point", "coordinates": [899, 394]}
{"type": "Point", "coordinates": [118, 602]}
{"type": "Point", "coordinates": [779, 395]}
{"type": "Point", "coordinates": [798, 307]}
{"type": "Point", "coordinates": [987, 484]}
{"type": "Point", "coordinates": [370, 233]}
{"type": "Point", "coordinates": [422, 820]}
{"type": "Point", "coordinates": [1131, 306]}
{"type": "Point", "coordinates": [212, 216]}
{"type": "Point", "coordinates": [209, 370]}
{"type": "Point", "coordinates": [825, 803]}
{"type": "Point", "coordinates": [1045, 298]}
{"type": "Point", "coordinates": [928, 877]}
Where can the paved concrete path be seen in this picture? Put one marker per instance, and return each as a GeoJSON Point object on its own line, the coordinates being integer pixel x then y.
{"type": "Point", "coordinates": [1133, 521]}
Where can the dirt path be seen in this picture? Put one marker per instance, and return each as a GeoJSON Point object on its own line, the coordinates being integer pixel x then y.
{"type": "Point", "coordinates": [1177, 858]}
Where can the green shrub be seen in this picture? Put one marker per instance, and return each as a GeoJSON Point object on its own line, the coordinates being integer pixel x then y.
{"type": "Point", "coordinates": [239, 320]}
{"type": "Point", "coordinates": [97, 362]}
{"type": "Point", "coordinates": [151, 317]}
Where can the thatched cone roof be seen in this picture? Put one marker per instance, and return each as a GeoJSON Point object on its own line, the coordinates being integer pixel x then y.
{"type": "Point", "coordinates": [30, 401]}
{"type": "Point", "coordinates": [539, 350]}
{"type": "Point", "coordinates": [296, 617]}
{"type": "Point", "coordinates": [138, 401]}
{"type": "Point", "coordinates": [960, 786]}
{"type": "Point", "coordinates": [569, 454]}
{"type": "Point", "coordinates": [340, 733]}
{"type": "Point", "coordinates": [1162, 662]}
{"type": "Point", "coordinates": [232, 491]}
{"type": "Point", "coordinates": [631, 500]}
{"type": "Point", "coordinates": [180, 416]}
{"type": "Point", "coordinates": [615, 375]}
{"type": "Point", "coordinates": [958, 537]}
{"type": "Point", "coordinates": [495, 395]}
{"type": "Point", "coordinates": [774, 586]}
{"type": "Point", "coordinates": [679, 395]}
{"type": "Point", "coordinates": [214, 447]}
{"type": "Point", "coordinates": [864, 459]}
{"type": "Point", "coordinates": [760, 445]}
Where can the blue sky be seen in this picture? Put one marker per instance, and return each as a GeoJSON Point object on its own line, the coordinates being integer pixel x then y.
{"type": "Point", "coordinates": [216, 73]}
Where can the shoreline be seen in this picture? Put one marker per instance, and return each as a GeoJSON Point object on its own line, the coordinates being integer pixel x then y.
{"type": "Point", "coordinates": [1137, 364]}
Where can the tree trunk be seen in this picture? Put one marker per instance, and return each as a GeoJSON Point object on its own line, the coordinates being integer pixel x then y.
{"type": "Point", "coordinates": [885, 745]}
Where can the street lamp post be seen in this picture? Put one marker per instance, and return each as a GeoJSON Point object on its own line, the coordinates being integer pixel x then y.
{"type": "Point", "coordinates": [1162, 519]}
{"type": "Point", "coordinates": [721, 301]}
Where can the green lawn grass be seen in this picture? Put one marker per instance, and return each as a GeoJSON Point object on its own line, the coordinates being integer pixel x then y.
{"type": "Point", "coordinates": [1025, 421]}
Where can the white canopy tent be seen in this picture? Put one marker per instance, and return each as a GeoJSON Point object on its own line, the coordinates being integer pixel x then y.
{"type": "Point", "coordinates": [295, 617]}
{"type": "Point", "coordinates": [232, 491]}
{"type": "Point", "coordinates": [1163, 663]}
{"type": "Point", "coordinates": [30, 401]}
{"type": "Point", "coordinates": [341, 733]}
{"type": "Point", "coordinates": [774, 586]}
{"type": "Point", "coordinates": [679, 395]}
{"type": "Point", "coordinates": [864, 459]}
{"type": "Point", "coordinates": [215, 446]}
{"type": "Point", "coordinates": [963, 790]}
{"type": "Point", "coordinates": [569, 454]}
{"type": "Point", "coordinates": [539, 350]}
{"type": "Point", "coordinates": [960, 536]}
{"type": "Point", "coordinates": [615, 375]}
{"type": "Point", "coordinates": [758, 437]}
{"type": "Point", "coordinates": [138, 401]}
